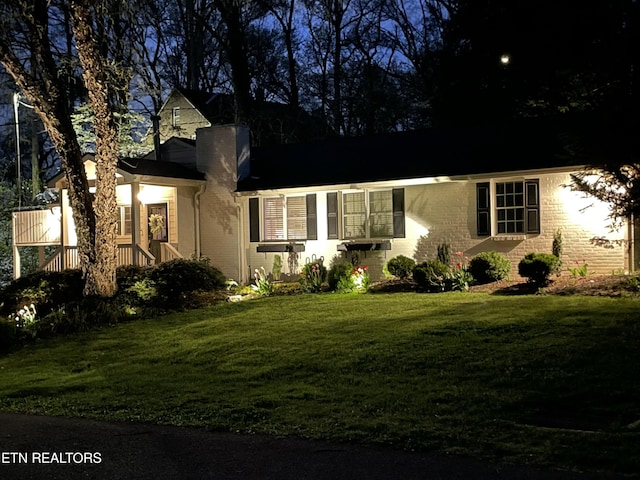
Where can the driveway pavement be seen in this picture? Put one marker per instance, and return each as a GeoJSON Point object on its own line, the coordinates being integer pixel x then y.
{"type": "Point", "coordinates": [39, 448]}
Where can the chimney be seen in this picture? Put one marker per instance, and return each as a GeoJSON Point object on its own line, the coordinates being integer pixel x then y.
{"type": "Point", "coordinates": [155, 121]}
{"type": "Point", "coordinates": [222, 152]}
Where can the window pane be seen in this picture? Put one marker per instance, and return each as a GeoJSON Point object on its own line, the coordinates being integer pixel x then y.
{"type": "Point", "coordinates": [126, 215]}
{"type": "Point", "coordinates": [273, 221]}
{"type": "Point", "coordinates": [355, 217]}
{"type": "Point", "coordinates": [381, 214]}
{"type": "Point", "coordinates": [509, 207]}
{"type": "Point", "coordinates": [296, 218]}
{"type": "Point", "coordinates": [354, 203]}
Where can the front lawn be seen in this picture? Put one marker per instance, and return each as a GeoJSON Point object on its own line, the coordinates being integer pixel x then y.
{"type": "Point", "coordinates": [541, 379]}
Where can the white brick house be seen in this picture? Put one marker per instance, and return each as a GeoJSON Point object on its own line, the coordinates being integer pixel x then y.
{"type": "Point", "coordinates": [392, 195]}
{"type": "Point", "coordinates": [477, 190]}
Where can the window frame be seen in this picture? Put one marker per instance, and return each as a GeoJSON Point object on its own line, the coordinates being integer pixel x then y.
{"type": "Point", "coordinates": [124, 220]}
{"type": "Point", "coordinates": [395, 213]}
{"type": "Point", "coordinates": [175, 117]}
{"type": "Point", "coordinates": [259, 220]}
{"type": "Point", "coordinates": [490, 201]}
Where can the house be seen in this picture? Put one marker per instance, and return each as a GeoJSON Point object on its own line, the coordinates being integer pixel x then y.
{"type": "Point", "coordinates": [369, 199]}
{"type": "Point", "coordinates": [185, 111]}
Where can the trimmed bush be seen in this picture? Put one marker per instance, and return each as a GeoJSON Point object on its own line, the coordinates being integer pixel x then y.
{"type": "Point", "coordinates": [487, 267]}
{"type": "Point", "coordinates": [47, 290]}
{"type": "Point", "coordinates": [538, 267]}
{"type": "Point", "coordinates": [401, 266]}
{"type": "Point", "coordinates": [431, 275]}
{"type": "Point", "coordinates": [339, 274]}
{"type": "Point", "coordinates": [177, 278]}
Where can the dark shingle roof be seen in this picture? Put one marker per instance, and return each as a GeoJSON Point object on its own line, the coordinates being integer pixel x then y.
{"type": "Point", "coordinates": [155, 168]}
{"type": "Point", "coordinates": [522, 145]}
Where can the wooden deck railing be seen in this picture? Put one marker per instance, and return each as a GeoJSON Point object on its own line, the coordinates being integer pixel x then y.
{"type": "Point", "coordinates": [36, 227]}
{"type": "Point", "coordinates": [123, 257]}
{"type": "Point", "coordinates": [168, 252]}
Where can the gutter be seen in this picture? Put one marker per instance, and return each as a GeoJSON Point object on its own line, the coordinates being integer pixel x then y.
{"type": "Point", "coordinates": [196, 202]}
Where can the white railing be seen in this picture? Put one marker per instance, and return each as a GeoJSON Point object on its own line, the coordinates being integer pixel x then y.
{"type": "Point", "coordinates": [54, 263]}
{"type": "Point", "coordinates": [145, 257]}
{"type": "Point", "coordinates": [123, 257]}
{"type": "Point", "coordinates": [37, 227]}
{"type": "Point", "coordinates": [168, 252]}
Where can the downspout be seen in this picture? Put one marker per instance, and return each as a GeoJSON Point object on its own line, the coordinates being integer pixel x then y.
{"type": "Point", "coordinates": [632, 243]}
{"type": "Point", "coordinates": [241, 250]}
{"type": "Point", "coordinates": [196, 202]}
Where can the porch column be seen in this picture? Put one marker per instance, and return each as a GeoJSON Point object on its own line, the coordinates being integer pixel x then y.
{"type": "Point", "coordinates": [16, 251]}
{"type": "Point", "coordinates": [64, 209]}
{"type": "Point", "coordinates": [135, 222]}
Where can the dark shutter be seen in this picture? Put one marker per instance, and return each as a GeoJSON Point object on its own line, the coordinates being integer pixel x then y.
{"type": "Point", "coordinates": [312, 220]}
{"type": "Point", "coordinates": [398, 212]}
{"type": "Point", "coordinates": [332, 215]}
{"type": "Point", "coordinates": [532, 205]}
{"type": "Point", "coordinates": [483, 207]}
{"type": "Point", "coordinates": [254, 219]}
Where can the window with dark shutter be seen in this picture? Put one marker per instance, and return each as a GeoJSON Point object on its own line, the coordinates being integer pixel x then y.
{"type": "Point", "coordinates": [483, 206]}
{"type": "Point", "coordinates": [312, 221]}
{"type": "Point", "coordinates": [398, 213]}
{"type": "Point", "coordinates": [332, 215]}
{"type": "Point", "coordinates": [532, 203]}
{"type": "Point", "coordinates": [254, 220]}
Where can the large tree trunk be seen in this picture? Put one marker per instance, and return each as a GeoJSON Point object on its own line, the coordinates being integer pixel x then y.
{"type": "Point", "coordinates": [101, 279]}
{"type": "Point", "coordinates": [46, 92]}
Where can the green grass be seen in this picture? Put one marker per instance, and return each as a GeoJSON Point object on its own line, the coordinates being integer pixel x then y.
{"type": "Point", "coordinates": [549, 380]}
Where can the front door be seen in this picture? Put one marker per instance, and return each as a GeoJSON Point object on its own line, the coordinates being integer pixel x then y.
{"type": "Point", "coordinates": [158, 223]}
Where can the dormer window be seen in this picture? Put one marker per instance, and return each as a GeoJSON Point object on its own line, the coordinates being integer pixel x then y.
{"type": "Point", "coordinates": [175, 117]}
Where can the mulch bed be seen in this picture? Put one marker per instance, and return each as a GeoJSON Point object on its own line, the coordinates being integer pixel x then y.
{"type": "Point", "coordinates": [600, 285]}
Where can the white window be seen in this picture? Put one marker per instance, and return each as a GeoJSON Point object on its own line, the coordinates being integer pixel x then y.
{"type": "Point", "coordinates": [354, 215]}
{"type": "Point", "coordinates": [124, 220]}
{"type": "Point", "coordinates": [368, 215]}
{"type": "Point", "coordinates": [274, 219]}
{"type": "Point", "coordinates": [381, 214]}
{"type": "Point", "coordinates": [175, 116]}
{"type": "Point", "coordinates": [296, 212]}
{"type": "Point", "coordinates": [510, 207]}
{"type": "Point", "coordinates": [286, 218]}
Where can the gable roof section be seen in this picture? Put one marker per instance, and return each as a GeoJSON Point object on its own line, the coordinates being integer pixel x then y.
{"type": "Point", "coordinates": [526, 144]}
{"type": "Point", "coordinates": [155, 168]}
{"type": "Point", "coordinates": [176, 150]}
{"type": "Point", "coordinates": [217, 108]}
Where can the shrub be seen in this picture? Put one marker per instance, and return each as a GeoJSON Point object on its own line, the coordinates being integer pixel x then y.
{"type": "Point", "coordinates": [276, 269]}
{"type": "Point", "coordinates": [82, 315]}
{"type": "Point", "coordinates": [47, 290]}
{"type": "Point", "coordinates": [488, 267]}
{"type": "Point", "coordinates": [401, 266]}
{"type": "Point", "coordinates": [128, 275]}
{"type": "Point", "coordinates": [339, 275]}
{"type": "Point", "coordinates": [177, 278]}
{"type": "Point", "coordinates": [313, 276]}
{"type": "Point", "coordinates": [7, 334]}
{"type": "Point", "coordinates": [444, 253]}
{"type": "Point", "coordinates": [538, 267]}
{"type": "Point", "coordinates": [431, 275]}
{"type": "Point", "coordinates": [262, 285]}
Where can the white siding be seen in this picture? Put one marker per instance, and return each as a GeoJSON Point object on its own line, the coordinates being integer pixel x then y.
{"type": "Point", "coordinates": [445, 212]}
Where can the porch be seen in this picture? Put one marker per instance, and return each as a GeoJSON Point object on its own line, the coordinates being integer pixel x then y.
{"type": "Point", "coordinates": [140, 241]}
